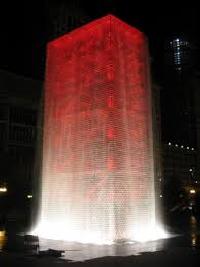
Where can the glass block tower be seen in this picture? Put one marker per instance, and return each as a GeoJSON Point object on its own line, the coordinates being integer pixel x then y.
{"type": "Point", "coordinates": [98, 166]}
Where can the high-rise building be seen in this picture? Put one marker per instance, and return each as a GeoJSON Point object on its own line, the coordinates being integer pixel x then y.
{"type": "Point", "coordinates": [179, 54]}
{"type": "Point", "coordinates": [180, 129]}
{"type": "Point", "coordinates": [177, 95]}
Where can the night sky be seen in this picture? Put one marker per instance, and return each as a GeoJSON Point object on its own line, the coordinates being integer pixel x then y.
{"type": "Point", "coordinates": [24, 28]}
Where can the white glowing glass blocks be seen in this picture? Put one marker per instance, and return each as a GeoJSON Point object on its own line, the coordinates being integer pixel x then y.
{"type": "Point", "coordinates": [98, 168]}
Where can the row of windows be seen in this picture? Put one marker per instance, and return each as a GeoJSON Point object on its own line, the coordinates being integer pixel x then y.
{"type": "Point", "coordinates": [18, 115]}
{"type": "Point", "coordinates": [22, 116]}
{"type": "Point", "coordinates": [178, 42]}
{"type": "Point", "coordinates": [23, 152]}
{"type": "Point", "coordinates": [22, 135]}
{"type": "Point", "coordinates": [17, 134]}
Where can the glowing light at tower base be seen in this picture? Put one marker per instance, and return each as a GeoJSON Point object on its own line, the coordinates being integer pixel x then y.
{"type": "Point", "coordinates": [58, 232]}
{"type": "Point", "coordinates": [98, 161]}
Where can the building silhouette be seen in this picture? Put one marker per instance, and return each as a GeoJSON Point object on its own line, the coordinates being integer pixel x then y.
{"type": "Point", "coordinates": [180, 115]}
{"type": "Point", "coordinates": [65, 16]}
{"type": "Point", "coordinates": [19, 103]}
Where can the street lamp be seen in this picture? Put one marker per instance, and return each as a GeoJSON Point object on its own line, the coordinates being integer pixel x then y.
{"type": "Point", "coordinates": [192, 191]}
{"type": "Point", "coordinates": [3, 189]}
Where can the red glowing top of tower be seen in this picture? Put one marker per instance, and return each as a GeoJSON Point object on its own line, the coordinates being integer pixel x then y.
{"type": "Point", "coordinates": [109, 19]}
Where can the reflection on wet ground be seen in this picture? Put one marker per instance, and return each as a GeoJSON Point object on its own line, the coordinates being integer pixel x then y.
{"type": "Point", "coordinates": [193, 231]}
{"type": "Point", "coordinates": [2, 239]}
{"type": "Point", "coordinates": [82, 252]}
{"type": "Point", "coordinates": [187, 235]}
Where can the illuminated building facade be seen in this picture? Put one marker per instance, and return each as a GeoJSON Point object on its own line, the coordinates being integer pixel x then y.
{"type": "Point", "coordinates": [179, 54]}
{"type": "Point", "coordinates": [98, 165]}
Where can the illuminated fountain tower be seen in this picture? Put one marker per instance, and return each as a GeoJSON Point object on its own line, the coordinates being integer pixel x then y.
{"type": "Point", "coordinates": [98, 166]}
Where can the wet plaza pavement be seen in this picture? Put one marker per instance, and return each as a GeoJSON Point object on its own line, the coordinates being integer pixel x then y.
{"type": "Point", "coordinates": [181, 249]}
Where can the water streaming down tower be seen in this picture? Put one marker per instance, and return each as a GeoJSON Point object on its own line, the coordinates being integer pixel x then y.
{"type": "Point", "coordinates": [98, 167]}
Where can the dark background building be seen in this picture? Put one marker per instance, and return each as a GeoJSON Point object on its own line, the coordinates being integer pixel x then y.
{"type": "Point", "coordinates": [19, 108]}
{"type": "Point", "coordinates": [180, 98]}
